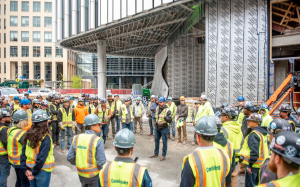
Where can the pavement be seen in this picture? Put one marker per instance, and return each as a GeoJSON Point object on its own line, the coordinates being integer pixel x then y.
{"type": "Point", "coordinates": [163, 173]}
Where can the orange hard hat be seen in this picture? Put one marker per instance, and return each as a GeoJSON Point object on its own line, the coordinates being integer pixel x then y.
{"type": "Point", "coordinates": [182, 98]}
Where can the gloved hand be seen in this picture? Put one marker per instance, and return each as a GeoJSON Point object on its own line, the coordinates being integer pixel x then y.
{"type": "Point", "coordinates": [61, 126]}
{"type": "Point", "coordinates": [73, 128]}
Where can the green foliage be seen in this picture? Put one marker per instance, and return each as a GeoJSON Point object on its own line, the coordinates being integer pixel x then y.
{"type": "Point", "coordinates": [76, 81]}
{"type": "Point", "coordinates": [93, 86]}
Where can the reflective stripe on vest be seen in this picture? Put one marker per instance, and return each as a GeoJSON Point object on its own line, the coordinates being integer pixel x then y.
{"type": "Point", "coordinates": [100, 114]}
{"type": "Point", "coordinates": [229, 150]}
{"type": "Point", "coordinates": [14, 148]}
{"type": "Point", "coordinates": [54, 115]}
{"type": "Point", "coordinates": [160, 120]}
{"type": "Point", "coordinates": [92, 107]}
{"type": "Point", "coordinates": [135, 173]}
{"type": "Point", "coordinates": [140, 109]}
{"type": "Point", "coordinates": [66, 118]}
{"type": "Point", "coordinates": [16, 106]}
{"type": "Point", "coordinates": [125, 112]}
{"type": "Point", "coordinates": [226, 136]}
{"type": "Point", "coordinates": [3, 151]}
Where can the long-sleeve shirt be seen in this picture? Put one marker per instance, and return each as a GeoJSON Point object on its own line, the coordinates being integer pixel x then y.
{"type": "Point", "coordinates": [100, 154]}
{"type": "Point", "coordinates": [128, 115]}
{"type": "Point", "coordinates": [59, 115]}
{"type": "Point", "coordinates": [153, 108]}
{"type": "Point", "coordinates": [40, 159]}
{"type": "Point", "coordinates": [168, 117]}
{"type": "Point", "coordinates": [136, 110]}
{"type": "Point", "coordinates": [3, 139]}
{"type": "Point", "coordinates": [182, 111]}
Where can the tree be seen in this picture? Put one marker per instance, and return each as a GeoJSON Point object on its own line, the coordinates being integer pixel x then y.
{"type": "Point", "coordinates": [76, 81]}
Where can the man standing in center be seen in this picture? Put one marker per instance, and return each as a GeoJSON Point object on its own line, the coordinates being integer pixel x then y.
{"type": "Point", "coordinates": [163, 118]}
{"type": "Point", "coordinates": [181, 114]}
{"type": "Point", "coordinates": [80, 111]}
{"type": "Point", "coordinates": [138, 112]}
{"type": "Point", "coordinates": [117, 106]}
{"type": "Point", "coordinates": [111, 120]}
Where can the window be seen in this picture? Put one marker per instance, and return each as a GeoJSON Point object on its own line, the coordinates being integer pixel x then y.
{"type": "Point", "coordinates": [36, 36]}
{"type": "Point", "coordinates": [13, 20]}
{"type": "Point", "coordinates": [36, 21]}
{"type": "Point", "coordinates": [13, 51]}
{"type": "Point", "coordinates": [36, 51]}
{"type": "Point", "coordinates": [48, 37]}
{"type": "Point", "coordinates": [25, 51]}
{"type": "Point", "coordinates": [25, 70]}
{"type": "Point", "coordinates": [4, 67]}
{"type": "Point", "coordinates": [36, 6]}
{"type": "Point", "coordinates": [25, 36]}
{"type": "Point", "coordinates": [48, 6]}
{"type": "Point", "coordinates": [48, 52]}
{"type": "Point", "coordinates": [36, 70]}
{"type": "Point", "coordinates": [4, 9]}
{"type": "Point", "coordinates": [25, 6]}
{"type": "Point", "coordinates": [58, 52]}
{"type": "Point", "coordinates": [13, 36]}
{"type": "Point", "coordinates": [25, 21]}
{"type": "Point", "coordinates": [14, 6]}
{"type": "Point", "coordinates": [5, 38]}
{"type": "Point", "coordinates": [4, 52]}
{"type": "Point", "coordinates": [48, 21]}
{"type": "Point", "coordinates": [4, 23]}
{"type": "Point", "coordinates": [48, 70]}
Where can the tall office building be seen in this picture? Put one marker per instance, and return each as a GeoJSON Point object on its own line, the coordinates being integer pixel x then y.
{"type": "Point", "coordinates": [26, 47]}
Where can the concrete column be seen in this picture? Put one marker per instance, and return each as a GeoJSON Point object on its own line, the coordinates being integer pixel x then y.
{"type": "Point", "coordinates": [120, 82]}
{"type": "Point", "coordinates": [67, 19]}
{"type": "Point", "coordinates": [101, 53]}
{"type": "Point", "coordinates": [74, 17]}
{"type": "Point", "coordinates": [82, 16]}
{"type": "Point", "coordinates": [54, 26]}
{"type": "Point", "coordinates": [145, 80]}
{"type": "Point", "coordinates": [59, 21]}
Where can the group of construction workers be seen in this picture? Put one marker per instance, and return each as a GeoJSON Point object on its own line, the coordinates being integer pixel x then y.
{"type": "Point", "coordinates": [243, 135]}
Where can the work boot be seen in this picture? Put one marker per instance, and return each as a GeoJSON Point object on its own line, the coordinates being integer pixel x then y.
{"type": "Point", "coordinates": [184, 142]}
{"type": "Point", "coordinates": [152, 139]}
{"type": "Point", "coordinates": [153, 156]}
{"type": "Point", "coordinates": [151, 134]}
{"type": "Point", "coordinates": [63, 151]}
{"type": "Point", "coordinates": [162, 158]}
{"type": "Point", "coordinates": [169, 136]}
{"type": "Point", "coordinates": [193, 143]}
{"type": "Point", "coordinates": [173, 137]}
{"type": "Point", "coordinates": [178, 141]}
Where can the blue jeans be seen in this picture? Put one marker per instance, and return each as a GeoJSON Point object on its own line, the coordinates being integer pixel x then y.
{"type": "Point", "coordinates": [104, 130]}
{"type": "Point", "coordinates": [150, 124]}
{"type": "Point", "coordinates": [4, 173]}
{"type": "Point", "coordinates": [251, 180]}
{"type": "Point", "coordinates": [63, 136]}
{"type": "Point", "coordinates": [128, 126]}
{"type": "Point", "coordinates": [164, 135]}
{"type": "Point", "coordinates": [41, 180]}
{"type": "Point", "coordinates": [172, 125]}
{"type": "Point", "coordinates": [22, 180]}
{"type": "Point", "coordinates": [118, 123]}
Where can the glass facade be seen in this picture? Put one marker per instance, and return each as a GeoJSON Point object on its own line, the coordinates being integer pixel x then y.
{"type": "Point", "coordinates": [25, 70]}
{"type": "Point", "coordinates": [48, 70]}
{"type": "Point", "coordinates": [36, 70]}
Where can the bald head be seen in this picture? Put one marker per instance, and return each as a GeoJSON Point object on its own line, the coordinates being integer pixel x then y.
{"type": "Point", "coordinates": [4, 103]}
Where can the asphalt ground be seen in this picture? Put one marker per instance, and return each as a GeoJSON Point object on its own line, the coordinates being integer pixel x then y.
{"type": "Point", "coordinates": [165, 173]}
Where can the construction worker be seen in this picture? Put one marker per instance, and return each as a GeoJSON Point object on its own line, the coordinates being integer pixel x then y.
{"type": "Point", "coordinates": [181, 114]}
{"type": "Point", "coordinates": [104, 114]}
{"type": "Point", "coordinates": [54, 108]}
{"type": "Point", "coordinates": [37, 160]}
{"type": "Point", "coordinates": [85, 101]}
{"type": "Point", "coordinates": [15, 104]}
{"type": "Point", "coordinates": [274, 128]}
{"type": "Point", "coordinates": [73, 103]}
{"type": "Point", "coordinates": [111, 121]}
{"type": "Point", "coordinates": [194, 114]}
{"type": "Point", "coordinates": [232, 131]}
{"type": "Point", "coordinates": [5, 118]}
{"type": "Point", "coordinates": [91, 108]}
{"type": "Point", "coordinates": [173, 108]}
{"type": "Point", "coordinates": [35, 105]}
{"type": "Point", "coordinates": [149, 114]}
{"type": "Point", "coordinates": [123, 170]}
{"type": "Point", "coordinates": [117, 107]}
{"type": "Point", "coordinates": [126, 115]}
{"type": "Point", "coordinates": [138, 112]}
{"type": "Point", "coordinates": [248, 110]}
{"type": "Point", "coordinates": [26, 94]}
{"type": "Point", "coordinates": [45, 107]}
{"type": "Point", "coordinates": [250, 155]}
{"type": "Point", "coordinates": [207, 165]}
{"type": "Point", "coordinates": [26, 105]}
{"type": "Point", "coordinates": [39, 97]}
{"type": "Point", "coordinates": [163, 118]}
{"type": "Point", "coordinates": [285, 113]}
{"type": "Point", "coordinates": [241, 102]}
{"type": "Point", "coordinates": [61, 100]}
{"type": "Point", "coordinates": [87, 152]}
{"type": "Point", "coordinates": [15, 143]}
{"type": "Point", "coordinates": [266, 118]}
{"type": "Point", "coordinates": [5, 104]}
{"type": "Point", "coordinates": [80, 112]}
{"type": "Point", "coordinates": [205, 108]}
{"type": "Point", "coordinates": [224, 105]}
{"type": "Point", "coordinates": [65, 121]}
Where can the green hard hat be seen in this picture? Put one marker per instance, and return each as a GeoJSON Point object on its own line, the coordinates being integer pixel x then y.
{"type": "Point", "coordinates": [91, 119]}
{"type": "Point", "coordinates": [138, 98]}
{"type": "Point", "coordinates": [20, 115]}
{"type": "Point", "coordinates": [39, 116]}
{"type": "Point", "coordinates": [206, 126]}
{"type": "Point", "coordinates": [125, 139]}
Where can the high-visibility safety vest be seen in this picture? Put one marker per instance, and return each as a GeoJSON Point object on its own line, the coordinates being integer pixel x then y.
{"type": "Point", "coordinates": [85, 148]}
{"type": "Point", "coordinates": [236, 139]}
{"type": "Point", "coordinates": [189, 116]}
{"type": "Point", "coordinates": [16, 106]}
{"type": "Point", "coordinates": [160, 120]}
{"type": "Point", "coordinates": [125, 112]}
{"type": "Point", "coordinates": [14, 148]}
{"type": "Point", "coordinates": [148, 109]}
{"type": "Point", "coordinates": [112, 106]}
{"type": "Point", "coordinates": [140, 108]}
{"type": "Point", "coordinates": [3, 151]}
{"type": "Point", "coordinates": [31, 154]}
{"type": "Point", "coordinates": [66, 118]}
{"type": "Point", "coordinates": [122, 174]}
{"type": "Point", "coordinates": [241, 117]}
{"type": "Point", "coordinates": [263, 150]}
{"type": "Point", "coordinates": [204, 110]}
{"type": "Point", "coordinates": [54, 115]}
{"type": "Point", "coordinates": [292, 180]}
{"type": "Point", "coordinates": [92, 107]}
{"type": "Point", "coordinates": [228, 148]}
{"type": "Point", "coordinates": [29, 120]}
{"type": "Point", "coordinates": [210, 167]}
{"type": "Point", "coordinates": [118, 106]}
{"type": "Point", "coordinates": [172, 108]}
{"type": "Point", "coordinates": [29, 113]}
{"type": "Point", "coordinates": [100, 114]}
{"type": "Point", "coordinates": [293, 124]}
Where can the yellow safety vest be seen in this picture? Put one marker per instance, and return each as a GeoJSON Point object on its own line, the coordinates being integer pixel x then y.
{"type": "Point", "coordinates": [100, 114]}
{"type": "Point", "coordinates": [241, 117]}
{"type": "Point", "coordinates": [54, 115]}
{"type": "Point", "coordinates": [263, 150]}
{"type": "Point", "coordinates": [292, 180]}
{"type": "Point", "coordinates": [125, 112]}
{"type": "Point", "coordinates": [228, 148]}
{"type": "Point", "coordinates": [204, 110]}
{"type": "Point", "coordinates": [14, 148]}
{"type": "Point", "coordinates": [66, 119]}
{"type": "Point", "coordinates": [140, 109]}
{"type": "Point", "coordinates": [160, 120]}
{"type": "Point", "coordinates": [210, 167]}
{"type": "Point", "coordinates": [122, 174]}
{"type": "Point", "coordinates": [172, 108]}
{"type": "Point", "coordinates": [112, 106]}
{"type": "Point", "coordinates": [189, 117]}
{"type": "Point", "coordinates": [92, 106]}
{"type": "Point", "coordinates": [31, 154]}
{"type": "Point", "coordinates": [3, 151]}
{"type": "Point", "coordinates": [85, 148]}
{"type": "Point", "coordinates": [16, 107]}
{"type": "Point", "coordinates": [118, 106]}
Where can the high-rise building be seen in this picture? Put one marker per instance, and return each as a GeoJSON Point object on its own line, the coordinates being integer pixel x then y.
{"type": "Point", "coordinates": [26, 47]}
